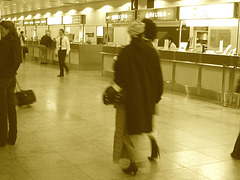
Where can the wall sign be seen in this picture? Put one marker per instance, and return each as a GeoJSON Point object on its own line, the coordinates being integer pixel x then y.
{"type": "Point", "coordinates": [214, 11]}
{"type": "Point", "coordinates": [18, 23]}
{"type": "Point", "coordinates": [120, 17]}
{"type": "Point", "coordinates": [164, 14]}
{"type": "Point", "coordinates": [54, 20]}
{"type": "Point", "coordinates": [28, 22]}
{"type": "Point", "coordinates": [77, 19]}
{"type": "Point", "coordinates": [40, 22]}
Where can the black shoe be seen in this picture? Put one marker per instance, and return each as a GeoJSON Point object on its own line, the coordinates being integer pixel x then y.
{"type": "Point", "coordinates": [234, 156]}
{"type": "Point", "coordinates": [2, 144]}
{"type": "Point", "coordinates": [60, 75]}
{"type": "Point", "coordinates": [44, 63]}
{"type": "Point", "coordinates": [132, 168]}
{"type": "Point", "coordinates": [155, 151]}
{"type": "Point", "coordinates": [11, 142]}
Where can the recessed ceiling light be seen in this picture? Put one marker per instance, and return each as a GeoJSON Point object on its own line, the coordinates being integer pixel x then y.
{"type": "Point", "coordinates": [5, 6]}
{"type": "Point", "coordinates": [49, 6]}
{"type": "Point", "coordinates": [14, 12]}
{"type": "Point", "coordinates": [14, 4]}
{"type": "Point", "coordinates": [24, 2]}
{"type": "Point", "coordinates": [77, 2]}
{"type": "Point", "coordinates": [39, 8]}
{"type": "Point", "coordinates": [62, 4]}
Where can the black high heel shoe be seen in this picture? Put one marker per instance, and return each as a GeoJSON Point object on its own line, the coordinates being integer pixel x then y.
{"type": "Point", "coordinates": [155, 151]}
{"type": "Point", "coordinates": [132, 168]}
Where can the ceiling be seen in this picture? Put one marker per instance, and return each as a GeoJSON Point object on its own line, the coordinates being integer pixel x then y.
{"type": "Point", "coordinates": [19, 6]}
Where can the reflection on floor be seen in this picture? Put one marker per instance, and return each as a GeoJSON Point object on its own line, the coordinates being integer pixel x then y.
{"type": "Point", "coordinates": [68, 133]}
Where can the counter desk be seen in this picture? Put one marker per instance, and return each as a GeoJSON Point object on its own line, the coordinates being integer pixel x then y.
{"type": "Point", "coordinates": [81, 57]}
{"type": "Point", "coordinates": [210, 76]}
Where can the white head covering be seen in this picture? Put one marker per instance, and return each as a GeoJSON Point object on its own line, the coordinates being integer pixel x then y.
{"type": "Point", "coordinates": [135, 28]}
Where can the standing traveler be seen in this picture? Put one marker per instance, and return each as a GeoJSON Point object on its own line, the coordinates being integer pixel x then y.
{"type": "Point", "coordinates": [22, 41]}
{"type": "Point", "coordinates": [236, 151]}
{"type": "Point", "coordinates": [62, 50]}
{"type": "Point", "coordinates": [45, 42]}
{"type": "Point", "coordinates": [138, 73]}
{"type": "Point", "coordinates": [10, 59]}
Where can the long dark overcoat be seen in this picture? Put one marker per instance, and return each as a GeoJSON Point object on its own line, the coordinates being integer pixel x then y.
{"type": "Point", "coordinates": [138, 72]}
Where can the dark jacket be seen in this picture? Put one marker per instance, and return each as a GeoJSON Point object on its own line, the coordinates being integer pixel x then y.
{"type": "Point", "coordinates": [46, 40]}
{"type": "Point", "coordinates": [138, 72]}
{"type": "Point", "coordinates": [10, 56]}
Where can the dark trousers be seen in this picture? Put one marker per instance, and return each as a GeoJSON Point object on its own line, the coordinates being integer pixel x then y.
{"type": "Point", "coordinates": [23, 53]}
{"type": "Point", "coordinates": [236, 150]}
{"type": "Point", "coordinates": [8, 113]}
{"type": "Point", "coordinates": [43, 50]}
{"type": "Point", "coordinates": [61, 60]}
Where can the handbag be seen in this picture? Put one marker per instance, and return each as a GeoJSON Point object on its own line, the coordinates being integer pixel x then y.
{"type": "Point", "coordinates": [113, 95]}
{"type": "Point", "coordinates": [24, 97]}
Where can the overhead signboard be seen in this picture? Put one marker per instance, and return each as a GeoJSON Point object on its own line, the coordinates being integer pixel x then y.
{"type": "Point", "coordinates": [54, 20]}
{"type": "Point", "coordinates": [77, 19]}
{"type": "Point", "coordinates": [28, 22]}
{"type": "Point", "coordinates": [163, 14]}
{"type": "Point", "coordinates": [18, 23]}
{"type": "Point", "coordinates": [120, 17]}
{"type": "Point", "coordinates": [215, 11]}
{"type": "Point", "coordinates": [40, 22]}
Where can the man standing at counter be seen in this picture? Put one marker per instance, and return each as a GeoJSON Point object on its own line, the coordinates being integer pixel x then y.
{"type": "Point", "coordinates": [62, 51]}
{"type": "Point", "coordinates": [45, 42]}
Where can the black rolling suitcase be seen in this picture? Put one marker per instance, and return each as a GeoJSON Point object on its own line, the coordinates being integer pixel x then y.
{"type": "Point", "coordinates": [24, 97]}
{"type": "Point", "coordinates": [236, 151]}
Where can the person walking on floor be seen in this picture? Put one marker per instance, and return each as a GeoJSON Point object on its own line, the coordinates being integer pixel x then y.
{"type": "Point", "coordinates": [45, 42]}
{"type": "Point", "coordinates": [138, 74]}
{"type": "Point", "coordinates": [22, 41]}
{"type": "Point", "coordinates": [10, 59]}
{"type": "Point", "coordinates": [149, 36]}
{"type": "Point", "coordinates": [62, 51]}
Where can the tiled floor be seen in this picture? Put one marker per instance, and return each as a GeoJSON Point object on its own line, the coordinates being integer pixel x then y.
{"type": "Point", "coordinates": [68, 133]}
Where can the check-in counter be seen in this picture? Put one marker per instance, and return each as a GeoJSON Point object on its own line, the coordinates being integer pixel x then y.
{"type": "Point", "coordinates": [108, 54]}
{"type": "Point", "coordinates": [81, 57]}
{"type": "Point", "coordinates": [210, 76]}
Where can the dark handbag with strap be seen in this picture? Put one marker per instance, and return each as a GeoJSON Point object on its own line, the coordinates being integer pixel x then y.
{"type": "Point", "coordinates": [111, 96]}
{"type": "Point", "coordinates": [24, 97]}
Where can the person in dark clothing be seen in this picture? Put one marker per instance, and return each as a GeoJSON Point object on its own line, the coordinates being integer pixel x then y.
{"type": "Point", "coordinates": [22, 42]}
{"type": "Point", "coordinates": [10, 59]}
{"type": "Point", "coordinates": [236, 151]}
{"type": "Point", "coordinates": [138, 73]}
{"type": "Point", "coordinates": [45, 42]}
{"type": "Point", "coordinates": [149, 35]}
{"type": "Point", "coordinates": [62, 51]}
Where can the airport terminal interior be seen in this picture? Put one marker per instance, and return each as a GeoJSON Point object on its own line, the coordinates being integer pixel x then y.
{"type": "Point", "coordinates": [68, 133]}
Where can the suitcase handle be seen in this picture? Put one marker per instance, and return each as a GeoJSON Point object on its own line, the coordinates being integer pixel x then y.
{"type": "Point", "coordinates": [18, 86]}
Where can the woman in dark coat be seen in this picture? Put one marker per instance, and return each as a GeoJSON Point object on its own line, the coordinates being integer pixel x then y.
{"type": "Point", "coordinates": [10, 59]}
{"type": "Point", "coordinates": [138, 73]}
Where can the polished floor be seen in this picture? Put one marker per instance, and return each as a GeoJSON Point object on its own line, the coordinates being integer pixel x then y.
{"type": "Point", "coordinates": [68, 133]}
